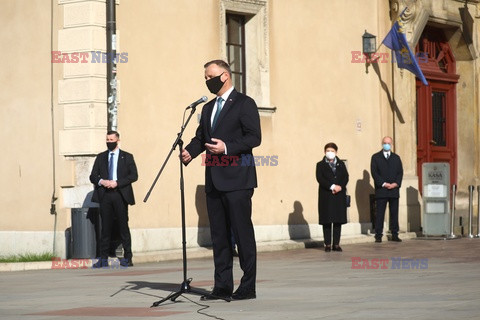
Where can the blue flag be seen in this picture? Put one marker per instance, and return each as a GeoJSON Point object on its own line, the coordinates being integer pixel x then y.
{"type": "Point", "coordinates": [397, 41]}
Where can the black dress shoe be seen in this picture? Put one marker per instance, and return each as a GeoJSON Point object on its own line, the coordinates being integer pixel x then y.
{"type": "Point", "coordinates": [126, 262]}
{"type": "Point", "coordinates": [378, 239]}
{"type": "Point", "coordinates": [396, 238]}
{"type": "Point", "coordinates": [337, 248]}
{"type": "Point", "coordinates": [244, 294]}
{"type": "Point", "coordinates": [328, 248]}
{"type": "Point", "coordinates": [101, 263]}
{"type": "Point", "coordinates": [217, 294]}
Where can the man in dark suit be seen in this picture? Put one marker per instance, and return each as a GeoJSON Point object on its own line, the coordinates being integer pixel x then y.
{"type": "Point", "coordinates": [112, 175]}
{"type": "Point", "coordinates": [387, 173]}
{"type": "Point", "coordinates": [229, 129]}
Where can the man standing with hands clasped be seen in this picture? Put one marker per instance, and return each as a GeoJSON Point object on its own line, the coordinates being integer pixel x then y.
{"type": "Point", "coordinates": [387, 173]}
{"type": "Point", "coordinates": [229, 125]}
{"type": "Point", "coordinates": [112, 175]}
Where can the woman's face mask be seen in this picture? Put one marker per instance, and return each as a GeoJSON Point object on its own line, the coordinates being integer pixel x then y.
{"type": "Point", "coordinates": [330, 155]}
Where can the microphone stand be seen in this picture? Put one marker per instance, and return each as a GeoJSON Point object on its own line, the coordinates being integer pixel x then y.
{"type": "Point", "coordinates": [185, 286]}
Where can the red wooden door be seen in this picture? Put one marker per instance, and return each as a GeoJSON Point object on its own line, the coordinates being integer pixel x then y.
{"type": "Point", "coordinates": [436, 126]}
{"type": "Point", "coordinates": [436, 104]}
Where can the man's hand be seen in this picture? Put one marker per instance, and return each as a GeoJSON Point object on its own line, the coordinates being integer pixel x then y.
{"type": "Point", "coordinates": [109, 184]}
{"type": "Point", "coordinates": [186, 157]}
{"type": "Point", "coordinates": [217, 148]}
{"type": "Point", "coordinates": [390, 186]}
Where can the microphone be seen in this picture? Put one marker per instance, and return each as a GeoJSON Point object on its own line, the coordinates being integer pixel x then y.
{"type": "Point", "coordinates": [196, 103]}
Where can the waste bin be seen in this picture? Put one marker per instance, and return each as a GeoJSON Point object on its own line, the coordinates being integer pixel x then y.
{"type": "Point", "coordinates": [84, 244]}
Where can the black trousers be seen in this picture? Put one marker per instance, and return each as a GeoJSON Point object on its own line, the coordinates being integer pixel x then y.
{"type": "Point", "coordinates": [327, 233]}
{"type": "Point", "coordinates": [393, 208]}
{"type": "Point", "coordinates": [114, 213]}
{"type": "Point", "coordinates": [232, 212]}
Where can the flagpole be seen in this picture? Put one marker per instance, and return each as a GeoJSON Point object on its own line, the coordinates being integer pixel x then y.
{"type": "Point", "coordinates": [393, 83]}
{"type": "Point", "coordinates": [393, 100]}
{"type": "Point", "coordinates": [393, 77]}
{"type": "Point", "coordinates": [396, 40]}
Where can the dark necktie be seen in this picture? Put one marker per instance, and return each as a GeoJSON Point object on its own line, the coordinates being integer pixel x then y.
{"type": "Point", "coordinates": [388, 155]}
{"type": "Point", "coordinates": [217, 113]}
{"type": "Point", "coordinates": [110, 167]}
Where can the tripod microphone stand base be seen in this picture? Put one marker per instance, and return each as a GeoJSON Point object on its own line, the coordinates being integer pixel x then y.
{"type": "Point", "coordinates": [185, 288]}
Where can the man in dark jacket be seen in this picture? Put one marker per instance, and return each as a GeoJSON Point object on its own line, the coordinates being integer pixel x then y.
{"type": "Point", "coordinates": [387, 173]}
{"type": "Point", "coordinates": [229, 129]}
{"type": "Point", "coordinates": [112, 175]}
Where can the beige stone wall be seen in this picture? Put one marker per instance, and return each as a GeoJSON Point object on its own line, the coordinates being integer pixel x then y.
{"type": "Point", "coordinates": [25, 116]}
{"type": "Point", "coordinates": [29, 143]}
{"type": "Point", "coordinates": [167, 46]}
{"type": "Point", "coordinates": [323, 97]}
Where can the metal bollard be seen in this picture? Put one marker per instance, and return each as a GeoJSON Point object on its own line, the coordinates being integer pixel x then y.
{"type": "Point", "coordinates": [478, 212]}
{"type": "Point", "coordinates": [452, 222]}
{"type": "Point", "coordinates": [470, 211]}
{"type": "Point", "coordinates": [460, 222]}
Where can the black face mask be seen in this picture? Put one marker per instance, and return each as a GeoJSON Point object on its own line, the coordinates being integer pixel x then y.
{"type": "Point", "coordinates": [215, 84]}
{"type": "Point", "coordinates": [111, 145]}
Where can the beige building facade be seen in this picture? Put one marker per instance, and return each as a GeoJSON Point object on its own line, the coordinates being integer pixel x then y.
{"type": "Point", "coordinates": [298, 64]}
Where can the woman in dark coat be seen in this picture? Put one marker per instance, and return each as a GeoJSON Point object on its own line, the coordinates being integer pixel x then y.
{"type": "Point", "coordinates": [332, 177]}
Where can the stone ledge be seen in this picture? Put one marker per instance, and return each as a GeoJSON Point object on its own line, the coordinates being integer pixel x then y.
{"type": "Point", "coordinates": [195, 253]}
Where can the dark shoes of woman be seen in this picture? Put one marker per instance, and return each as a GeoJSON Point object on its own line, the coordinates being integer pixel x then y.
{"type": "Point", "coordinates": [329, 248]}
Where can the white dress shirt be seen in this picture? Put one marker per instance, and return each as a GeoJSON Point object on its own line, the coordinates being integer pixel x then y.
{"type": "Point", "coordinates": [224, 97]}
